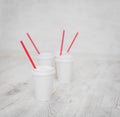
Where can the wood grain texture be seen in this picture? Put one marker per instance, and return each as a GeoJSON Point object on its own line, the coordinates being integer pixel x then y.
{"type": "Point", "coordinates": [93, 92]}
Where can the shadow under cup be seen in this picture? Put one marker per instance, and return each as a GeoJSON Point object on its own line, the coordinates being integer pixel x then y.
{"type": "Point", "coordinates": [43, 82]}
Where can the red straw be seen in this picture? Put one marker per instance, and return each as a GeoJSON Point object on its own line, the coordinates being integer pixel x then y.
{"type": "Point", "coordinates": [33, 43]}
{"type": "Point", "coordinates": [62, 42]}
{"type": "Point", "coordinates": [27, 53]}
{"type": "Point", "coordinates": [72, 42]}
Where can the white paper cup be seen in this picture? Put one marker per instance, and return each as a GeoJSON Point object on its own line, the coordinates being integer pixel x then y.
{"type": "Point", "coordinates": [43, 77]}
{"type": "Point", "coordinates": [64, 65]}
{"type": "Point", "coordinates": [46, 58]}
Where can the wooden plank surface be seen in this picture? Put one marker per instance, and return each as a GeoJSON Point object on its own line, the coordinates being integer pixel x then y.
{"type": "Point", "coordinates": [94, 91]}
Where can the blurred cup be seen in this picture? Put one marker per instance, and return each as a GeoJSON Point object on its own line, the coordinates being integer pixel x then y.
{"type": "Point", "coordinates": [46, 59]}
{"type": "Point", "coordinates": [43, 77]}
{"type": "Point", "coordinates": [64, 65]}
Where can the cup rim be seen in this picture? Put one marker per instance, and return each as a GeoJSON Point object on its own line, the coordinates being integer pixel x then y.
{"type": "Point", "coordinates": [64, 58]}
{"type": "Point", "coordinates": [45, 70]}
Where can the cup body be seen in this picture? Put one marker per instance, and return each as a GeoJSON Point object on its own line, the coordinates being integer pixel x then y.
{"type": "Point", "coordinates": [46, 59]}
{"type": "Point", "coordinates": [43, 77]}
{"type": "Point", "coordinates": [64, 65]}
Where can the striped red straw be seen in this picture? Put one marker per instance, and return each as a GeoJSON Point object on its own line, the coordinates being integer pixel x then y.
{"type": "Point", "coordinates": [37, 50]}
{"type": "Point", "coordinates": [72, 42]}
{"type": "Point", "coordinates": [62, 42]}
{"type": "Point", "coordinates": [27, 53]}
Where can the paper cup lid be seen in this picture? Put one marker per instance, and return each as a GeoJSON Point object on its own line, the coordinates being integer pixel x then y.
{"type": "Point", "coordinates": [44, 70]}
{"type": "Point", "coordinates": [64, 58]}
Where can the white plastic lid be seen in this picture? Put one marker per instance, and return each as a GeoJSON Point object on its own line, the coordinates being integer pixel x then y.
{"type": "Point", "coordinates": [44, 70]}
{"type": "Point", "coordinates": [64, 58]}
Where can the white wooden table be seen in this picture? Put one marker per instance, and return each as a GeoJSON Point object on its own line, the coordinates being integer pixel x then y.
{"type": "Point", "coordinates": [94, 91]}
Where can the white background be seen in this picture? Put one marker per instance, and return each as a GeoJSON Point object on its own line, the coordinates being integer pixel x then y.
{"type": "Point", "coordinates": [98, 24]}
